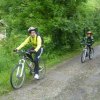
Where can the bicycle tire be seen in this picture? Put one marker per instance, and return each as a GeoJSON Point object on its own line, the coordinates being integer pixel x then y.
{"type": "Point", "coordinates": [83, 56]}
{"type": "Point", "coordinates": [17, 82]}
{"type": "Point", "coordinates": [42, 68]}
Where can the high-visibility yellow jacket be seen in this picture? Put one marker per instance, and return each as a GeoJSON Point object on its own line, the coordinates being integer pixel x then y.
{"type": "Point", "coordinates": [35, 41]}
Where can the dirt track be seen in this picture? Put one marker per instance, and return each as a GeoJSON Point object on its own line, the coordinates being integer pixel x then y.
{"type": "Point", "coordinates": [70, 80]}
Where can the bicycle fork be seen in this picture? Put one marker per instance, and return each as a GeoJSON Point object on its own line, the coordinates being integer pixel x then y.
{"type": "Point", "coordinates": [85, 51]}
{"type": "Point", "coordinates": [20, 69]}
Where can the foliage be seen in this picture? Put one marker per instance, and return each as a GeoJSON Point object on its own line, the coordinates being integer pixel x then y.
{"type": "Point", "coordinates": [51, 16]}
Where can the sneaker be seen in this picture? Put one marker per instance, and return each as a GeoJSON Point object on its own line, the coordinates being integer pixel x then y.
{"type": "Point", "coordinates": [36, 76]}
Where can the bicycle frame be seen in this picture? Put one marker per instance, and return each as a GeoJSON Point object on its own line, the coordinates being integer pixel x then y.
{"type": "Point", "coordinates": [22, 63]}
{"type": "Point", "coordinates": [17, 76]}
{"type": "Point", "coordinates": [86, 53]}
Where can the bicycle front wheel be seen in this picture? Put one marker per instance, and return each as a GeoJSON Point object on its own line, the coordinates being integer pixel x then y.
{"type": "Point", "coordinates": [42, 69]}
{"type": "Point", "coordinates": [83, 56]}
{"type": "Point", "coordinates": [17, 77]}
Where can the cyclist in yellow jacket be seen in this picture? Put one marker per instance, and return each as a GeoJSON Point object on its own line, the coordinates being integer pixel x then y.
{"type": "Point", "coordinates": [36, 41]}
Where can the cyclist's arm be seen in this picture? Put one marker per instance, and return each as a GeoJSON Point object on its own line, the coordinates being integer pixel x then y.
{"type": "Point", "coordinates": [38, 43]}
{"type": "Point", "coordinates": [92, 39]}
{"type": "Point", "coordinates": [24, 43]}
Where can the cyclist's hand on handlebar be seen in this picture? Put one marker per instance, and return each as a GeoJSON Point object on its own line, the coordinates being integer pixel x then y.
{"type": "Point", "coordinates": [88, 44]}
{"type": "Point", "coordinates": [33, 51]}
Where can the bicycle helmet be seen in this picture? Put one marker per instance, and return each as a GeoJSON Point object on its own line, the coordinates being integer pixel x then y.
{"type": "Point", "coordinates": [31, 29]}
{"type": "Point", "coordinates": [89, 32]}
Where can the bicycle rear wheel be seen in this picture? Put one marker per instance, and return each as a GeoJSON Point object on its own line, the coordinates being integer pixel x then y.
{"type": "Point", "coordinates": [42, 68]}
{"type": "Point", "coordinates": [91, 53]}
{"type": "Point", "coordinates": [16, 79]}
{"type": "Point", "coordinates": [83, 56]}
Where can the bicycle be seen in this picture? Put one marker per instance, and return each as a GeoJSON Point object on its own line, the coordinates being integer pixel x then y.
{"type": "Point", "coordinates": [18, 75]}
{"type": "Point", "coordinates": [88, 51]}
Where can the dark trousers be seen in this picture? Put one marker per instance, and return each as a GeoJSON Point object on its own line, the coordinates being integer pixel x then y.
{"type": "Point", "coordinates": [36, 58]}
{"type": "Point", "coordinates": [89, 46]}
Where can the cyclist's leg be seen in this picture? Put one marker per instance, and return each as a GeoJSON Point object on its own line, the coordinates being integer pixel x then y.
{"type": "Point", "coordinates": [90, 52]}
{"type": "Point", "coordinates": [29, 54]}
{"type": "Point", "coordinates": [90, 46]}
{"type": "Point", "coordinates": [36, 60]}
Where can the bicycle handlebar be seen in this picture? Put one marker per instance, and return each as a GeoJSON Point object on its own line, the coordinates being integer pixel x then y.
{"type": "Point", "coordinates": [88, 44]}
{"type": "Point", "coordinates": [21, 52]}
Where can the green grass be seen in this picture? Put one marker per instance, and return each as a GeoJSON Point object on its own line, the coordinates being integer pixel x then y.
{"type": "Point", "coordinates": [5, 82]}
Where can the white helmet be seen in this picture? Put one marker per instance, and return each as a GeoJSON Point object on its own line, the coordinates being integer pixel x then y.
{"type": "Point", "coordinates": [89, 32]}
{"type": "Point", "coordinates": [31, 29]}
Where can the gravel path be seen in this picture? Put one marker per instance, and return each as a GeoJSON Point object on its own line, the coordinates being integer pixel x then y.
{"type": "Point", "coordinates": [70, 80]}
